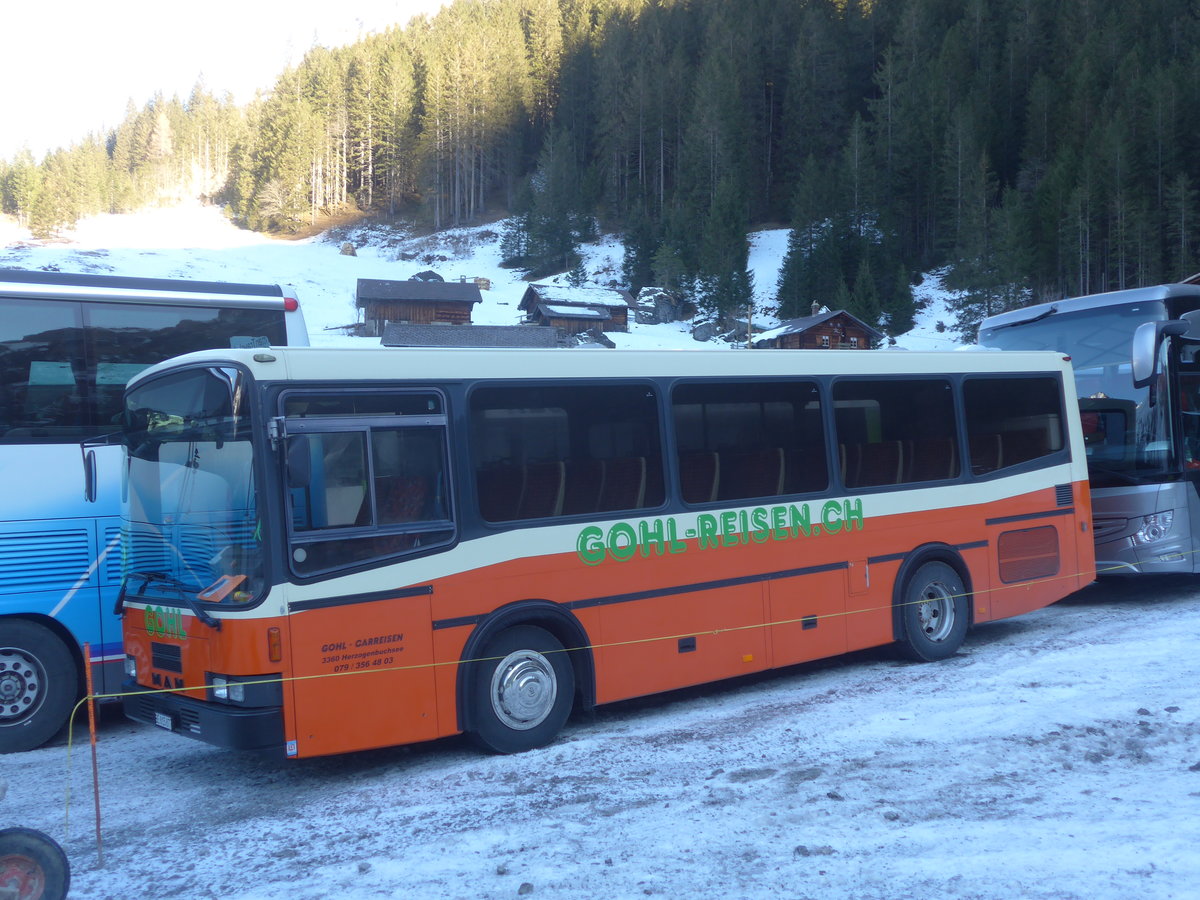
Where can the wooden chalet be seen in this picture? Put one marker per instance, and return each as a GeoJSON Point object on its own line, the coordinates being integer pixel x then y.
{"type": "Point", "coordinates": [414, 302]}
{"type": "Point", "coordinates": [829, 330]}
{"type": "Point", "coordinates": [575, 310]}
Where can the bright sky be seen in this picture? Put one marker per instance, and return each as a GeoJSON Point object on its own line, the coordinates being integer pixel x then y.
{"type": "Point", "coordinates": [69, 67]}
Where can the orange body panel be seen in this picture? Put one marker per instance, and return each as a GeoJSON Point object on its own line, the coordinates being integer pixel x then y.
{"type": "Point", "coordinates": [750, 602]}
{"type": "Point", "coordinates": [362, 680]}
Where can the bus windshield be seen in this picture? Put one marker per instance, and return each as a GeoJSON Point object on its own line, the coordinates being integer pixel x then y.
{"type": "Point", "coordinates": [1127, 440]}
{"type": "Point", "coordinates": [191, 526]}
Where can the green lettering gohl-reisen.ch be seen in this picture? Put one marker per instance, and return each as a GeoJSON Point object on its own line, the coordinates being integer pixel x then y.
{"type": "Point", "coordinates": [728, 528]}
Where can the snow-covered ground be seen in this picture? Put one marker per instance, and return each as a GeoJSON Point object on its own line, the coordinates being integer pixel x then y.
{"type": "Point", "coordinates": [1056, 756]}
{"type": "Point", "coordinates": [199, 242]}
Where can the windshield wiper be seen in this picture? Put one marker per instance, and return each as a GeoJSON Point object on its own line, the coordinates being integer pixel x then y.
{"type": "Point", "coordinates": [162, 578]}
{"type": "Point", "coordinates": [1042, 315]}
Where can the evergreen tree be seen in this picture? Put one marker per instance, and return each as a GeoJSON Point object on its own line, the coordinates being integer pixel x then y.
{"type": "Point", "coordinates": [864, 302]}
{"type": "Point", "coordinates": [21, 187]}
{"type": "Point", "coordinates": [641, 244]}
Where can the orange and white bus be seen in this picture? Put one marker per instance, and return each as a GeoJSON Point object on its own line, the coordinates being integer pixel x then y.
{"type": "Point", "coordinates": [331, 550]}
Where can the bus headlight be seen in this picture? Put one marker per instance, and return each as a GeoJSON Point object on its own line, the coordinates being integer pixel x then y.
{"type": "Point", "coordinates": [245, 690]}
{"type": "Point", "coordinates": [131, 668]}
{"type": "Point", "coordinates": [227, 690]}
{"type": "Point", "coordinates": [1154, 527]}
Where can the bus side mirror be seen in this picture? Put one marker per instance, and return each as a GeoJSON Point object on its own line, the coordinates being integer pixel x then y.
{"type": "Point", "coordinates": [299, 462]}
{"type": "Point", "coordinates": [1144, 354]}
{"type": "Point", "coordinates": [89, 475]}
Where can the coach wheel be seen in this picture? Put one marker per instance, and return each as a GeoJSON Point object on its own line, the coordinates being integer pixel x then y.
{"type": "Point", "coordinates": [38, 682]}
{"type": "Point", "coordinates": [521, 691]}
{"type": "Point", "coordinates": [32, 866]}
{"type": "Point", "coordinates": [935, 612]}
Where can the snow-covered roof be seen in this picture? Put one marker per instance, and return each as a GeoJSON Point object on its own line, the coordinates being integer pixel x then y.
{"type": "Point", "coordinates": [437, 291]}
{"type": "Point", "coordinates": [796, 326]}
{"type": "Point", "coordinates": [575, 296]}
{"type": "Point", "coordinates": [569, 311]}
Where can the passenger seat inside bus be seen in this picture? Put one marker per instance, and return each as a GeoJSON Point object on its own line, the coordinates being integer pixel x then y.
{"type": "Point", "coordinates": [624, 483]}
{"type": "Point", "coordinates": [699, 476]}
{"type": "Point", "coordinates": [879, 463]}
{"type": "Point", "coordinates": [931, 459]}
{"type": "Point", "coordinates": [544, 489]}
{"type": "Point", "coordinates": [987, 453]}
{"type": "Point", "coordinates": [751, 473]}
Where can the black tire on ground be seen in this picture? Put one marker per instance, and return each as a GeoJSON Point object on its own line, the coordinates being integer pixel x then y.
{"type": "Point", "coordinates": [934, 614]}
{"type": "Point", "coordinates": [32, 866]}
{"type": "Point", "coordinates": [521, 692]}
{"type": "Point", "coordinates": [38, 685]}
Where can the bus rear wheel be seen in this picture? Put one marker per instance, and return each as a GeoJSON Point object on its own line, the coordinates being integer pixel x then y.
{"type": "Point", "coordinates": [38, 681]}
{"type": "Point", "coordinates": [521, 691]}
{"type": "Point", "coordinates": [934, 613]}
{"type": "Point", "coordinates": [32, 866]}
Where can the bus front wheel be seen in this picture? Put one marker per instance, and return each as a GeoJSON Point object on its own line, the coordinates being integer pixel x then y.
{"type": "Point", "coordinates": [37, 685]}
{"type": "Point", "coordinates": [32, 866]}
{"type": "Point", "coordinates": [934, 613]}
{"type": "Point", "coordinates": [521, 692]}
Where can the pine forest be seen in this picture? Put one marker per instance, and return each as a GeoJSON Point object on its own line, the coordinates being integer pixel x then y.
{"type": "Point", "coordinates": [1034, 150]}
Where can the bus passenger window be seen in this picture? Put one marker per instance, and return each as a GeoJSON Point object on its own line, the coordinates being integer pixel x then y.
{"type": "Point", "coordinates": [895, 431]}
{"type": "Point", "coordinates": [1012, 420]}
{"type": "Point", "coordinates": [739, 440]}
{"type": "Point", "coordinates": [547, 451]}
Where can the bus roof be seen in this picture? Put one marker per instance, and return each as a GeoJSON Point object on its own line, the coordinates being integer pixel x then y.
{"type": "Point", "coordinates": [127, 289]}
{"type": "Point", "coordinates": [1092, 301]}
{"type": "Point", "coordinates": [445, 364]}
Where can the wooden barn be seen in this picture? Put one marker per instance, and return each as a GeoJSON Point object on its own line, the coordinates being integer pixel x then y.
{"type": "Point", "coordinates": [575, 310]}
{"type": "Point", "coordinates": [829, 330]}
{"type": "Point", "coordinates": [414, 302]}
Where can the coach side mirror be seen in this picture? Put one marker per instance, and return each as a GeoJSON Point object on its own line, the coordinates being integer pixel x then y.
{"type": "Point", "coordinates": [1144, 354]}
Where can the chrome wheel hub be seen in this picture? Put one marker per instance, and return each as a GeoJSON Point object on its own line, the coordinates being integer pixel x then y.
{"type": "Point", "coordinates": [20, 686]}
{"type": "Point", "coordinates": [524, 688]}
{"type": "Point", "coordinates": [935, 612]}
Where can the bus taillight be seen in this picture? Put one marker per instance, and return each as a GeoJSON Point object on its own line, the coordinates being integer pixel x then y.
{"type": "Point", "coordinates": [290, 304]}
{"type": "Point", "coordinates": [274, 645]}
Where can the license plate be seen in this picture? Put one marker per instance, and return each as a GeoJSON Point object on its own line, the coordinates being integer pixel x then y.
{"type": "Point", "coordinates": [162, 720]}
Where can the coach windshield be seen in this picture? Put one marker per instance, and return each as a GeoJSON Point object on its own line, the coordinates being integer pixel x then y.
{"type": "Point", "coordinates": [191, 523]}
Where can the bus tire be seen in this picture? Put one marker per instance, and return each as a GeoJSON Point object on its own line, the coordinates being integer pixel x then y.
{"type": "Point", "coordinates": [521, 692]}
{"type": "Point", "coordinates": [32, 866]}
{"type": "Point", "coordinates": [934, 613]}
{"type": "Point", "coordinates": [38, 684]}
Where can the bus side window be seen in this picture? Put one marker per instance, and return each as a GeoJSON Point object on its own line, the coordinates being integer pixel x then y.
{"type": "Point", "coordinates": [741, 440]}
{"type": "Point", "coordinates": [41, 367]}
{"type": "Point", "coordinates": [1012, 420]}
{"type": "Point", "coordinates": [543, 451]}
{"type": "Point", "coordinates": [895, 431]}
{"type": "Point", "coordinates": [370, 491]}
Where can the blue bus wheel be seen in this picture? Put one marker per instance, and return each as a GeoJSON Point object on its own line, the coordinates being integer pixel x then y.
{"type": "Point", "coordinates": [38, 683]}
{"type": "Point", "coordinates": [32, 866]}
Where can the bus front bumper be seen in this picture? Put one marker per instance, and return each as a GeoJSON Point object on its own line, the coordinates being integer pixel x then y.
{"type": "Point", "coordinates": [231, 727]}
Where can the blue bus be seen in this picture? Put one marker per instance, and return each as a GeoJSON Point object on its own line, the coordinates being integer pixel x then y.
{"type": "Point", "coordinates": [68, 345]}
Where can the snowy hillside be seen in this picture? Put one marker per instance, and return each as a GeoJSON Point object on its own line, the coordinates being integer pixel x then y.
{"type": "Point", "coordinates": [199, 242]}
